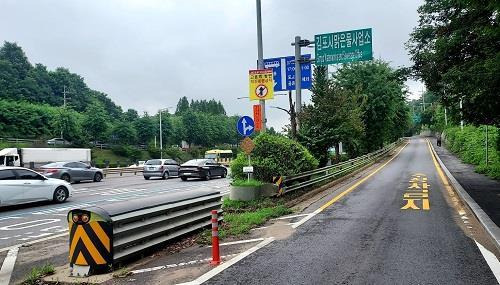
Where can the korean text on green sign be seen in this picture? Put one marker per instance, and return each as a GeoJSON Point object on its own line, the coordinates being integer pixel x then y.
{"type": "Point", "coordinates": [343, 47]}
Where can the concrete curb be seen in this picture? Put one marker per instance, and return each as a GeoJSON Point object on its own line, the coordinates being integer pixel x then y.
{"type": "Point", "coordinates": [492, 229]}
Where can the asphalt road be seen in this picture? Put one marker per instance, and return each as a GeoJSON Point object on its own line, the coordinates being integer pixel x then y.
{"type": "Point", "coordinates": [374, 236]}
{"type": "Point", "coordinates": [31, 222]}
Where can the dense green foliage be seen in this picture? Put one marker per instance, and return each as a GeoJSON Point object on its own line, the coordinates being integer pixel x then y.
{"type": "Point", "coordinates": [31, 106]}
{"type": "Point", "coordinates": [456, 51]}
{"type": "Point", "coordinates": [274, 155]}
{"type": "Point", "coordinates": [362, 105]}
{"type": "Point", "coordinates": [470, 146]}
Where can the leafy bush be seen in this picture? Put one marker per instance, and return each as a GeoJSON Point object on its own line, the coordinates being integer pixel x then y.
{"type": "Point", "coordinates": [246, 183]}
{"type": "Point", "coordinates": [469, 145]}
{"type": "Point", "coordinates": [274, 156]}
{"type": "Point", "coordinates": [128, 151]}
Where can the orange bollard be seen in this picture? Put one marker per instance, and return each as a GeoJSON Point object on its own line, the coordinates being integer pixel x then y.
{"type": "Point", "coordinates": [215, 239]}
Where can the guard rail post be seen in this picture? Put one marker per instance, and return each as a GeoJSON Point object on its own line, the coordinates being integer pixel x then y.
{"type": "Point", "coordinates": [215, 239]}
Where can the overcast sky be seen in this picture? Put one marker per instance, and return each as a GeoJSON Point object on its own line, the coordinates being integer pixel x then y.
{"type": "Point", "coordinates": [146, 54]}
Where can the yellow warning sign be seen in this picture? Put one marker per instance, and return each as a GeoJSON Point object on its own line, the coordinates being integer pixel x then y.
{"type": "Point", "coordinates": [261, 84]}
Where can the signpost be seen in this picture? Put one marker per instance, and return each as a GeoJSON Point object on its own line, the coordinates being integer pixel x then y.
{"type": "Point", "coordinates": [245, 126]}
{"type": "Point", "coordinates": [343, 47]}
{"type": "Point", "coordinates": [284, 72]}
{"type": "Point", "coordinates": [247, 145]}
{"type": "Point", "coordinates": [257, 117]}
{"type": "Point", "coordinates": [261, 84]}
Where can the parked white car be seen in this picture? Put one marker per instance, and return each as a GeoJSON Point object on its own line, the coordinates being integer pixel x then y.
{"type": "Point", "coordinates": [20, 185]}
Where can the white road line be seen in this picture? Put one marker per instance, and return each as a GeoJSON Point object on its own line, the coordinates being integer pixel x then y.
{"type": "Point", "coordinates": [241, 241]}
{"type": "Point", "coordinates": [492, 261]}
{"type": "Point", "coordinates": [178, 264]}
{"type": "Point", "coordinates": [290, 217]}
{"type": "Point", "coordinates": [210, 274]}
{"type": "Point", "coordinates": [32, 242]}
{"type": "Point", "coordinates": [299, 223]}
{"type": "Point", "coordinates": [8, 266]}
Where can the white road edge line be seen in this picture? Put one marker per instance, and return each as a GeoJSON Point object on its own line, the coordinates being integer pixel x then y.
{"type": "Point", "coordinates": [175, 265]}
{"type": "Point", "coordinates": [32, 242]}
{"type": "Point", "coordinates": [491, 259]}
{"type": "Point", "coordinates": [290, 217]}
{"type": "Point", "coordinates": [241, 241]}
{"type": "Point", "coordinates": [8, 266]}
{"type": "Point", "coordinates": [210, 274]}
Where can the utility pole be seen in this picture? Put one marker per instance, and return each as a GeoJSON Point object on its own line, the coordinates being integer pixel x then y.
{"type": "Point", "coordinates": [161, 142]}
{"type": "Point", "coordinates": [260, 61]}
{"type": "Point", "coordinates": [298, 76]}
{"type": "Point", "coordinates": [445, 117]}
{"type": "Point", "coordinates": [64, 104]}
{"type": "Point", "coordinates": [461, 116]}
{"type": "Point", "coordinates": [423, 98]}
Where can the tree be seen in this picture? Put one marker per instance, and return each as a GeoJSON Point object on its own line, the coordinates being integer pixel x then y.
{"type": "Point", "coordinates": [146, 128]}
{"type": "Point", "coordinates": [95, 122]}
{"type": "Point", "coordinates": [456, 51]}
{"type": "Point", "coordinates": [65, 123]}
{"type": "Point", "coordinates": [182, 106]}
{"type": "Point", "coordinates": [15, 55]}
{"type": "Point", "coordinates": [333, 117]}
{"type": "Point", "coordinates": [131, 115]}
{"type": "Point", "coordinates": [124, 133]}
{"type": "Point", "coordinates": [382, 93]}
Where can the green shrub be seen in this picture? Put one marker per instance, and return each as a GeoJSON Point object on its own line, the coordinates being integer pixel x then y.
{"type": "Point", "coordinates": [246, 183]}
{"type": "Point", "coordinates": [130, 152]}
{"type": "Point", "coordinates": [274, 156]}
{"type": "Point", "coordinates": [469, 144]}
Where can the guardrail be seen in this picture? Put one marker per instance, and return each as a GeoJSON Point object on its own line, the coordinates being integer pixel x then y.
{"type": "Point", "coordinates": [121, 170]}
{"type": "Point", "coordinates": [308, 178]}
{"type": "Point", "coordinates": [107, 235]}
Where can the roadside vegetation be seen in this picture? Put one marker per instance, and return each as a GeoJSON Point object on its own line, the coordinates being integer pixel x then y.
{"type": "Point", "coordinates": [37, 273]}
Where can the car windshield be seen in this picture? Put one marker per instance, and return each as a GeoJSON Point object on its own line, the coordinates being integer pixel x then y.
{"type": "Point", "coordinates": [153, 162]}
{"type": "Point", "coordinates": [55, 164]}
{"type": "Point", "coordinates": [194, 162]}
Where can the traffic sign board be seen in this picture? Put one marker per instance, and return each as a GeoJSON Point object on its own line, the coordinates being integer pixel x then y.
{"type": "Point", "coordinates": [257, 117]}
{"type": "Point", "coordinates": [343, 47]}
{"type": "Point", "coordinates": [247, 145]}
{"type": "Point", "coordinates": [245, 126]}
{"type": "Point", "coordinates": [261, 84]}
{"type": "Point", "coordinates": [284, 72]}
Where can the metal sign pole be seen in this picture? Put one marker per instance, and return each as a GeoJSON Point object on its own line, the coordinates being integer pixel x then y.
{"type": "Point", "coordinates": [298, 79]}
{"type": "Point", "coordinates": [260, 62]}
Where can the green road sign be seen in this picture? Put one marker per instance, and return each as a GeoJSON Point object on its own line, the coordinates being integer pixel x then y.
{"type": "Point", "coordinates": [343, 47]}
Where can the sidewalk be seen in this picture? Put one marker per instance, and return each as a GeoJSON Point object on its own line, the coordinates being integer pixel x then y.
{"type": "Point", "coordinates": [484, 190]}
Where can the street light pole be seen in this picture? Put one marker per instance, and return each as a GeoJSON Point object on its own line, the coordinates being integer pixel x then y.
{"type": "Point", "coordinates": [161, 142]}
{"type": "Point", "coordinates": [260, 60]}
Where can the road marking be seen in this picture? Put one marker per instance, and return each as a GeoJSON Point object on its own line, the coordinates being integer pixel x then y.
{"type": "Point", "coordinates": [419, 194]}
{"type": "Point", "coordinates": [241, 241]}
{"type": "Point", "coordinates": [350, 189]}
{"type": "Point", "coordinates": [179, 264]}
{"type": "Point", "coordinates": [491, 260]}
{"type": "Point", "coordinates": [290, 217]}
{"type": "Point", "coordinates": [210, 274]}
{"type": "Point", "coordinates": [35, 223]}
{"type": "Point", "coordinates": [8, 266]}
{"type": "Point", "coordinates": [32, 242]}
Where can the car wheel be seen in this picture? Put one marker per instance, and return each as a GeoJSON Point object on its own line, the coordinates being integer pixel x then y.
{"type": "Point", "coordinates": [184, 178]}
{"type": "Point", "coordinates": [60, 194]}
{"type": "Point", "coordinates": [224, 174]}
{"type": "Point", "coordinates": [146, 177]}
{"type": "Point", "coordinates": [66, 177]}
{"type": "Point", "coordinates": [97, 177]}
{"type": "Point", "coordinates": [208, 176]}
{"type": "Point", "coordinates": [165, 175]}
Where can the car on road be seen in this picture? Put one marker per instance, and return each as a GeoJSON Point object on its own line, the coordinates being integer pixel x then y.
{"type": "Point", "coordinates": [72, 171]}
{"type": "Point", "coordinates": [202, 168]}
{"type": "Point", "coordinates": [20, 185]}
{"type": "Point", "coordinates": [163, 168]}
{"type": "Point", "coordinates": [58, 141]}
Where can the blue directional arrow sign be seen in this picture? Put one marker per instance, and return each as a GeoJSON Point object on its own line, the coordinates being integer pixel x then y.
{"type": "Point", "coordinates": [284, 72]}
{"type": "Point", "coordinates": [245, 126]}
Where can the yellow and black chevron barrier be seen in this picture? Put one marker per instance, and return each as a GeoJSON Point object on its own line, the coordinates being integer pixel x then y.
{"type": "Point", "coordinates": [90, 241]}
{"type": "Point", "coordinates": [278, 181]}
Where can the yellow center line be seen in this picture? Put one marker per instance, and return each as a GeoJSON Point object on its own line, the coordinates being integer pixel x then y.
{"type": "Point", "coordinates": [348, 190]}
{"type": "Point", "coordinates": [438, 168]}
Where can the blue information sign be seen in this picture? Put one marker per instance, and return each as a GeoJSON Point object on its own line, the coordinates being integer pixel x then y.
{"type": "Point", "coordinates": [245, 126]}
{"type": "Point", "coordinates": [284, 72]}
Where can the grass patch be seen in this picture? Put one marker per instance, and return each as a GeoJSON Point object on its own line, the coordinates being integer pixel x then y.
{"type": "Point", "coordinates": [37, 273]}
{"type": "Point", "coordinates": [241, 216]}
{"type": "Point", "coordinates": [102, 155]}
{"type": "Point", "coordinates": [246, 183]}
{"type": "Point", "coordinates": [121, 273]}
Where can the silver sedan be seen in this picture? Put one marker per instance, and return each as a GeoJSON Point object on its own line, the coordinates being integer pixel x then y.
{"type": "Point", "coordinates": [72, 171]}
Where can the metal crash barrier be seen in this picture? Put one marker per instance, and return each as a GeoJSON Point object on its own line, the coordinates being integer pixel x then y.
{"type": "Point", "coordinates": [103, 236]}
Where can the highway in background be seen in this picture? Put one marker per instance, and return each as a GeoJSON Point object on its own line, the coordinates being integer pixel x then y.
{"type": "Point", "coordinates": [31, 222]}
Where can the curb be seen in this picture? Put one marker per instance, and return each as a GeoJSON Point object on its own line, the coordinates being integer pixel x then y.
{"type": "Point", "coordinates": [492, 229]}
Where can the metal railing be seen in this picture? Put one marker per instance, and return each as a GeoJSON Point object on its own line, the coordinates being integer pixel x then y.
{"type": "Point", "coordinates": [312, 177]}
{"type": "Point", "coordinates": [107, 235]}
{"type": "Point", "coordinates": [122, 170]}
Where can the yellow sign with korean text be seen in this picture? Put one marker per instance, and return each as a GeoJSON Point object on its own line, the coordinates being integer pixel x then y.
{"type": "Point", "coordinates": [261, 84]}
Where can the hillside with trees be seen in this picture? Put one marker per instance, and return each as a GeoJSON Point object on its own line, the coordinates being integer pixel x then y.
{"type": "Point", "coordinates": [32, 107]}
